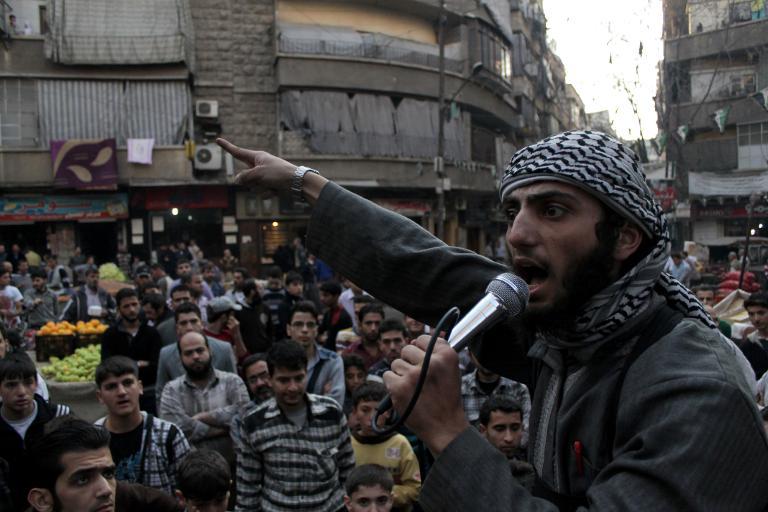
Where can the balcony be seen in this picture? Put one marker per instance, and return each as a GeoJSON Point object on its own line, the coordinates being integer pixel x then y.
{"type": "Point", "coordinates": [698, 116]}
{"type": "Point", "coordinates": [20, 168]}
{"type": "Point", "coordinates": [734, 38]}
{"type": "Point", "coordinates": [365, 49]}
{"type": "Point", "coordinates": [711, 155]}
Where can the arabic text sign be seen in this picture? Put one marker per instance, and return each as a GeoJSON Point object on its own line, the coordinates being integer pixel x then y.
{"type": "Point", "coordinates": [50, 208]}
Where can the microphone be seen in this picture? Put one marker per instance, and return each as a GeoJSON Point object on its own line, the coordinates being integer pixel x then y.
{"type": "Point", "coordinates": [505, 296]}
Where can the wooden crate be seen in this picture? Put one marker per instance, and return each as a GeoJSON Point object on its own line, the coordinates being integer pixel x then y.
{"type": "Point", "coordinates": [54, 345]}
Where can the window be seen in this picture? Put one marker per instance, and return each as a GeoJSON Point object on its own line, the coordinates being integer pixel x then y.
{"type": "Point", "coordinates": [495, 54]}
{"type": "Point", "coordinates": [753, 146]}
{"type": "Point", "coordinates": [18, 113]}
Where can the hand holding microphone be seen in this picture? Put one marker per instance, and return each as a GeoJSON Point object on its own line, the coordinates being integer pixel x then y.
{"type": "Point", "coordinates": [432, 365]}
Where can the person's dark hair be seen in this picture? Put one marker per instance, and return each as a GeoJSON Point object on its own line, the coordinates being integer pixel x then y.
{"type": "Point", "coordinates": [498, 403]}
{"type": "Point", "coordinates": [253, 359]}
{"type": "Point", "coordinates": [204, 476]}
{"type": "Point", "coordinates": [248, 286]}
{"type": "Point", "coordinates": [275, 273]}
{"type": "Point", "coordinates": [392, 324]}
{"type": "Point", "coordinates": [186, 307]}
{"type": "Point", "coordinates": [4, 271]}
{"type": "Point", "coordinates": [759, 299]}
{"type": "Point", "coordinates": [242, 271]}
{"type": "Point", "coordinates": [303, 306]}
{"type": "Point", "coordinates": [63, 435]}
{"type": "Point", "coordinates": [607, 231]}
{"type": "Point", "coordinates": [181, 261]}
{"type": "Point", "coordinates": [185, 280]}
{"type": "Point", "coordinates": [764, 413]}
{"type": "Point", "coordinates": [17, 365]}
{"type": "Point", "coordinates": [369, 392]}
{"type": "Point", "coordinates": [91, 269]}
{"type": "Point", "coordinates": [677, 255]}
{"type": "Point", "coordinates": [115, 366]}
{"type": "Point", "coordinates": [353, 361]}
{"type": "Point", "coordinates": [125, 293]}
{"type": "Point", "coordinates": [703, 288]}
{"type": "Point", "coordinates": [369, 475]}
{"type": "Point", "coordinates": [155, 301]}
{"type": "Point", "coordinates": [293, 277]}
{"type": "Point", "coordinates": [156, 266]}
{"type": "Point", "coordinates": [331, 288]}
{"type": "Point", "coordinates": [37, 272]}
{"type": "Point", "coordinates": [373, 307]}
{"type": "Point", "coordinates": [179, 288]}
{"type": "Point", "coordinates": [363, 299]}
{"type": "Point", "coordinates": [288, 355]}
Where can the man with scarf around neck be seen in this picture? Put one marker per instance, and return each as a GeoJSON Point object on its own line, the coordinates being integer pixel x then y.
{"type": "Point", "coordinates": [639, 403]}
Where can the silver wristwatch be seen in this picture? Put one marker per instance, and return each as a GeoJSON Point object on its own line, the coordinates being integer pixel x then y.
{"type": "Point", "coordinates": [297, 185]}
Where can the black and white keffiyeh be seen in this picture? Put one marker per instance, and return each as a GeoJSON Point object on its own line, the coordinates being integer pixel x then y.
{"type": "Point", "coordinates": [609, 171]}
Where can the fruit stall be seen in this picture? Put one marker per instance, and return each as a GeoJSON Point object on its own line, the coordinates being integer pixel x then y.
{"type": "Point", "coordinates": [67, 356]}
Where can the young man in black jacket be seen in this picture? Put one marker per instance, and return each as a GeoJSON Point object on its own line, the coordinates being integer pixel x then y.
{"type": "Point", "coordinates": [23, 416]}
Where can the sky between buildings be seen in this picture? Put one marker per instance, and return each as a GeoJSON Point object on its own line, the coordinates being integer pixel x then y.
{"type": "Point", "coordinates": [598, 42]}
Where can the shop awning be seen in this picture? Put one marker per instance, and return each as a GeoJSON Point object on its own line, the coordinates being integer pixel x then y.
{"type": "Point", "coordinates": [58, 208]}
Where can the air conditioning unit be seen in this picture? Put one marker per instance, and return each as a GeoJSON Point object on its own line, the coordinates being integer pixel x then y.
{"type": "Point", "coordinates": [208, 109]}
{"type": "Point", "coordinates": [208, 157]}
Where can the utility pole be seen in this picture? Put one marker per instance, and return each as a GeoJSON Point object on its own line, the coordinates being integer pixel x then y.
{"type": "Point", "coordinates": [439, 159]}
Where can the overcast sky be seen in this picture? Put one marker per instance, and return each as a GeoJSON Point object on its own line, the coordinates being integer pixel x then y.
{"type": "Point", "coordinates": [598, 41]}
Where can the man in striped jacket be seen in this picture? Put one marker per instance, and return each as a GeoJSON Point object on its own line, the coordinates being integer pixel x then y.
{"type": "Point", "coordinates": [294, 450]}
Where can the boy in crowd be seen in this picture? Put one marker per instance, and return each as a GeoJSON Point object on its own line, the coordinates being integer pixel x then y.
{"type": "Point", "coordinates": [23, 416]}
{"type": "Point", "coordinates": [275, 298]}
{"type": "Point", "coordinates": [204, 481]}
{"type": "Point", "coordinates": [145, 449]}
{"type": "Point", "coordinates": [354, 377]}
{"type": "Point", "coordinates": [369, 489]}
{"type": "Point", "coordinates": [336, 317]}
{"type": "Point", "coordinates": [501, 423]}
{"type": "Point", "coordinates": [325, 369]}
{"type": "Point", "coordinates": [755, 347]}
{"type": "Point", "coordinates": [293, 433]}
{"type": "Point", "coordinates": [392, 452]}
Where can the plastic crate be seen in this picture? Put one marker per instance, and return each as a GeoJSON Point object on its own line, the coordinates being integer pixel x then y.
{"type": "Point", "coordinates": [85, 340]}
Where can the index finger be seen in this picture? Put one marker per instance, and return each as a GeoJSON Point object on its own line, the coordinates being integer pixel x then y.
{"type": "Point", "coordinates": [244, 155]}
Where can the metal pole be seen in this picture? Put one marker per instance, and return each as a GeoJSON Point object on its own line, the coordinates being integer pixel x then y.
{"type": "Point", "coordinates": [439, 160]}
{"type": "Point", "coordinates": [746, 246]}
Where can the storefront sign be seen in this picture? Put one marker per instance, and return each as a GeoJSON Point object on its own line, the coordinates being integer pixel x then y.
{"type": "Point", "coordinates": [84, 164]}
{"type": "Point", "coordinates": [666, 194]}
{"type": "Point", "coordinates": [158, 198]}
{"type": "Point", "coordinates": [408, 208]}
{"type": "Point", "coordinates": [728, 212]}
{"type": "Point", "coordinates": [714, 184]}
{"type": "Point", "coordinates": [53, 208]}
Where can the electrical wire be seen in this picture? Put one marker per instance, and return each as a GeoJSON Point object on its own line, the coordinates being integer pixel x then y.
{"type": "Point", "coordinates": [395, 421]}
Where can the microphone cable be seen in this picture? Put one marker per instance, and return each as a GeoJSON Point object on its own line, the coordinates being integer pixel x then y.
{"type": "Point", "coordinates": [395, 421]}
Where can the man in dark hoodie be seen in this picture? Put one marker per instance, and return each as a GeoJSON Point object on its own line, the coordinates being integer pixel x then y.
{"type": "Point", "coordinates": [23, 416]}
{"type": "Point", "coordinates": [391, 451]}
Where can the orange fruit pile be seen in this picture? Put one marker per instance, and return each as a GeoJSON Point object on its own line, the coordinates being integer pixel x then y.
{"type": "Point", "coordinates": [67, 329]}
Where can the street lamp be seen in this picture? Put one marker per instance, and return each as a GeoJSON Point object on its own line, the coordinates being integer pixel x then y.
{"type": "Point", "coordinates": [439, 164]}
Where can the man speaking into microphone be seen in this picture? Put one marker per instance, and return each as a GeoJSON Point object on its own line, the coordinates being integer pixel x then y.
{"type": "Point", "coordinates": [638, 404]}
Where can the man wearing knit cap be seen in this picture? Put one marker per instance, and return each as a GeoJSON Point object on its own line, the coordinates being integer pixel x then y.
{"type": "Point", "coordinates": [638, 402]}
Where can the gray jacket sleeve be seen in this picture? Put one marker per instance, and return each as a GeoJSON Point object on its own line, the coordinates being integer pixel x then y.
{"type": "Point", "coordinates": [385, 254]}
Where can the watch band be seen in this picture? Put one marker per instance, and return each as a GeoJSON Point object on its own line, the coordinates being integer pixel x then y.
{"type": "Point", "coordinates": [297, 184]}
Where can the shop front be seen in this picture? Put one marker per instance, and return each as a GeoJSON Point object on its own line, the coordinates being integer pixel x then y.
{"type": "Point", "coordinates": [58, 223]}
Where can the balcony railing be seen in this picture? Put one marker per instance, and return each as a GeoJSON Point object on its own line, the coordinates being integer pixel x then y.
{"type": "Point", "coordinates": [365, 50]}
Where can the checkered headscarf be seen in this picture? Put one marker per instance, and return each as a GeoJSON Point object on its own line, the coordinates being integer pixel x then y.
{"type": "Point", "coordinates": [609, 171]}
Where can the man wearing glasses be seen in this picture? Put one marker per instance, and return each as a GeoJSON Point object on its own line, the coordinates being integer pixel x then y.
{"type": "Point", "coordinates": [325, 369]}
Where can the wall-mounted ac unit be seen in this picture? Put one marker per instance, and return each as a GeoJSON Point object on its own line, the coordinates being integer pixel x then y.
{"type": "Point", "coordinates": [208, 157]}
{"type": "Point", "coordinates": [207, 109]}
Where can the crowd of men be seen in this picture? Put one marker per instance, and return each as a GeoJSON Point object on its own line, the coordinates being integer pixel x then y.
{"type": "Point", "coordinates": [270, 389]}
{"type": "Point", "coordinates": [274, 390]}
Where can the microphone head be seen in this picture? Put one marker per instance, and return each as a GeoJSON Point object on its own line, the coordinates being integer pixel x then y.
{"type": "Point", "coordinates": [511, 291]}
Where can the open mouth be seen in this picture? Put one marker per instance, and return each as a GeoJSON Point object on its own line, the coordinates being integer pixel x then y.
{"type": "Point", "coordinates": [530, 271]}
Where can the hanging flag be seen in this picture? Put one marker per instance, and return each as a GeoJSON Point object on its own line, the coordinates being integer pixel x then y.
{"type": "Point", "coordinates": [660, 143]}
{"type": "Point", "coordinates": [761, 97]}
{"type": "Point", "coordinates": [720, 117]}
{"type": "Point", "coordinates": [682, 132]}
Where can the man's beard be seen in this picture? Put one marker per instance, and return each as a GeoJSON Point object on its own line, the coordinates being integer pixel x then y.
{"type": "Point", "coordinates": [586, 277]}
{"type": "Point", "coordinates": [198, 373]}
